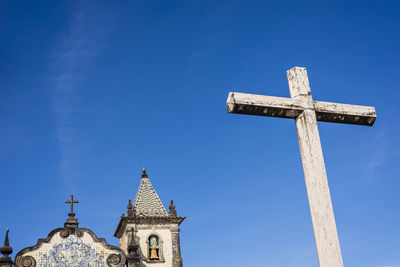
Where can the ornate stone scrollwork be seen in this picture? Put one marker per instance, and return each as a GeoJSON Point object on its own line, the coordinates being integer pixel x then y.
{"type": "Point", "coordinates": [64, 233]}
{"type": "Point", "coordinates": [78, 233]}
{"type": "Point", "coordinates": [113, 259]}
{"type": "Point", "coordinates": [28, 261]}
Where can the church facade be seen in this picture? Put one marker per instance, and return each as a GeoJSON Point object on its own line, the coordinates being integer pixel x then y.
{"type": "Point", "coordinates": [148, 237]}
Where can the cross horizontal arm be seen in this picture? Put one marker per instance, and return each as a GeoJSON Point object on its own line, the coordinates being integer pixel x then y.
{"type": "Point", "coordinates": [263, 105]}
{"type": "Point", "coordinates": [344, 113]}
{"type": "Point", "coordinates": [291, 108]}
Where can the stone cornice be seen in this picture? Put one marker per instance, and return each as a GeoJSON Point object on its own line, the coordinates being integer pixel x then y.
{"type": "Point", "coordinates": [145, 220]}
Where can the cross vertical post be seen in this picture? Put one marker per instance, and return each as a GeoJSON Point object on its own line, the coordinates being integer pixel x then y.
{"type": "Point", "coordinates": [319, 198]}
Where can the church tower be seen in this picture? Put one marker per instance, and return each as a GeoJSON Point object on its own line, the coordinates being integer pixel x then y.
{"type": "Point", "coordinates": [149, 235]}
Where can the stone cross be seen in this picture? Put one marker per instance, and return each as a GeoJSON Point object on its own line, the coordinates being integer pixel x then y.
{"type": "Point", "coordinates": [72, 202]}
{"type": "Point", "coordinates": [307, 112]}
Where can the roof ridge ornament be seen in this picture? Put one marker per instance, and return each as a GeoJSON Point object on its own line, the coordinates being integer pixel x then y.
{"type": "Point", "coordinates": [130, 209]}
{"type": "Point", "coordinates": [6, 250]}
{"type": "Point", "coordinates": [71, 222]}
{"type": "Point", "coordinates": [172, 210]}
{"type": "Point", "coordinates": [144, 174]}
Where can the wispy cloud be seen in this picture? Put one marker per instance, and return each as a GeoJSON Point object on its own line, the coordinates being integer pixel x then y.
{"type": "Point", "coordinates": [379, 155]}
{"type": "Point", "coordinates": [75, 49]}
{"type": "Point", "coordinates": [377, 159]}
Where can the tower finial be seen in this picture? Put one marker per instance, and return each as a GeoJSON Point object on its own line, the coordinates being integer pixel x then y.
{"type": "Point", "coordinates": [6, 240]}
{"type": "Point", "coordinates": [172, 210]}
{"type": "Point", "coordinates": [130, 210]}
{"type": "Point", "coordinates": [144, 174]}
{"type": "Point", "coordinates": [6, 250]}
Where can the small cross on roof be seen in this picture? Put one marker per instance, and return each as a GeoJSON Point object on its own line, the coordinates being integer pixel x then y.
{"type": "Point", "coordinates": [72, 202]}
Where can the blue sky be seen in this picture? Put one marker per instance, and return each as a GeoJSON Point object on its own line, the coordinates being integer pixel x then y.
{"type": "Point", "coordinates": [92, 91]}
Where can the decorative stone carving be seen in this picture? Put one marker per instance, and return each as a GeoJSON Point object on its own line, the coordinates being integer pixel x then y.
{"type": "Point", "coordinates": [172, 210]}
{"type": "Point", "coordinates": [130, 210]}
{"type": "Point", "coordinates": [64, 233]}
{"type": "Point", "coordinates": [79, 232]}
{"type": "Point", "coordinates": [63, 248]}
{"type": "Point", "coordinates": [28, 261]}
{"type": "Point", "coordinates": [113, 259]}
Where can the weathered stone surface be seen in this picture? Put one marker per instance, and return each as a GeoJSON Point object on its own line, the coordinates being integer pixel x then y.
{"type": "Point", "coordinates": [307, 112]}
{"type": "Point", "coordinates": [319, 198]}
{"type": "Point", "coordinates": [291, 108]}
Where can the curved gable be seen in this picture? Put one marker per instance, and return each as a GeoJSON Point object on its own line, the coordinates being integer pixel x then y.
{"type": "Point", "coordinates": [71, 247]}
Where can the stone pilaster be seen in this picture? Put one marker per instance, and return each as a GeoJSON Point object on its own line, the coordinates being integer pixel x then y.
{"type": "Point", "coordinates": [133, 262]}
{"type": "Point", "coordinates": [176, 248]}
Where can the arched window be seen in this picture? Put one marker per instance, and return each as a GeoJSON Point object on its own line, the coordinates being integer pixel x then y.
{"type": "Point", "coordinates": [154, 248]}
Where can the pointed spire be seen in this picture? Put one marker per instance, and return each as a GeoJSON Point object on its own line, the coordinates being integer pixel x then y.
{"type": "Point", "coordinates": [6, 240]}
{"type": "Point", "coordinates": [130, 210]}
{"type": "Point", "coordinates": [147, 202]}
{"type": "Point", "coordinates": [6, 250]}
{"type": "Point", "coordinates": [172, 211]}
